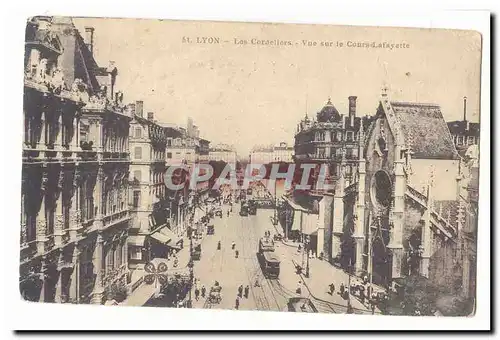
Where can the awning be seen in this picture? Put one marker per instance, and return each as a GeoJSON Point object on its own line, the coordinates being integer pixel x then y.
{"type": "Point", "coordinates": [160, 237]}
{"type": "Point", "coordinates": [141, 295]}
{"type": "Point", "coordinates": [173, 240]}
{"type": "Point", "coordinates": [297, 220]}
{"type": "Point", "coordinates": [136, 240]}
{"type": "Point", "coordinates": [309, 223]}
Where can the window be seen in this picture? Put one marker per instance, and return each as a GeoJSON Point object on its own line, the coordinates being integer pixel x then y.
{"type": "Point", "coordinates": [137, 152]}
{"type": "Point", "coordinates": [169, 155]}
{"type": "Point", "coordinates": [169, 141]}
{"type": "Point", "coordinates": [348, 153]}
{"type": "Point", "coordinates": [470, 140]}
{"type": "Point", "coordinates": [460, 140]}
{"type": "Point", "coordinates": [333, 152]}
{"type": "Point", "coordinates": [320, 136]}
{"type": "Point", "coordinates": [137, 175]}
{"type": "Point", "coordinates": [355, 153]}
{"type": "Point", "coordinates": [339, 136]}
{"type": "Point", "coordinates": [136, 253]}
{"type": "Point", "coordinates": [137, 198]}
{"type": "Point", "coordinates": [350, 136]}
{"type": "Point", "coordinates": [110, 259]}
{"type": "Point", "coordinates": [138, 132]}
{"type": "Point", "coordinates": [321, 153]}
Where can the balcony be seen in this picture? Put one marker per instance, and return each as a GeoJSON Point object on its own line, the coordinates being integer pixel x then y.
{"type": "Point", "coordinates": [53, 83]}
{"type": "Point", "coordinates": [115, 218]}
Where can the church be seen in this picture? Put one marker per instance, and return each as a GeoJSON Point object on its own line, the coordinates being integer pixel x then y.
{"type": "Point", "coordinates": [407, 210]}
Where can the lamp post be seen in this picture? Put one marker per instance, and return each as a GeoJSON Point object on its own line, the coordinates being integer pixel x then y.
{"type": "Point", "coordinates": [307, 254]}
{"type": "Point", "coordinates": [190, 266]}
{"type": "Point", "coordinates": [349, 306]}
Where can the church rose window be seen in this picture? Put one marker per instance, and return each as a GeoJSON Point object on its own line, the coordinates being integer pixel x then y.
{"type": "Point", "coordinates": [381, 189]}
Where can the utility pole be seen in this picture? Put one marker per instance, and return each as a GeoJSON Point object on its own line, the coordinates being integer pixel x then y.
{"type": "Point", "coordinates": [275, 219]}
{"type": "Point", "coordinates": [370, 261]}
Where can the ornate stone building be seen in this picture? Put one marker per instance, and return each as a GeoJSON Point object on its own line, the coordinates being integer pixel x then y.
{"type": "Point", "coordinates": [150, 235]}
{"type": "Point", "coordinates": [405, 212]}
{"type": "Point", "coordinates": [75, 218]}
{"type": "Point", "coordinates": [332, 139]}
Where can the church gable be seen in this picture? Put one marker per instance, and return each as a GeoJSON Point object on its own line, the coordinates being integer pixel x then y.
{"type": "Point", "coordinates": [430, 136]}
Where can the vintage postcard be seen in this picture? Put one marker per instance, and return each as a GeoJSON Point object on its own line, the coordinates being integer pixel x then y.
{"type": "Point", "coordinates": [250, 166]}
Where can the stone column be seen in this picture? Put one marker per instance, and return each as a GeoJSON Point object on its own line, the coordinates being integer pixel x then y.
{"type": "Point", "coordinates": [75, 216]}
{"type": "Point", "coordinates": [338, 216]}
{"type": "Point", "coordinates": [359, 211]}
{"type": "Point", "coordinates": [100, 136]}
{"type": "Point", "coordinates": [397, 220]}
{"type": "Point", "coordinates": [59, 141]}
{"type": "Point", "coordinates": [98, 258]}
{"type": "Point", "coordinates": [58, 294]}
{"type": "Point", "coordinates": [41, 223]}
{"type": "Point", "coordinates": [43, 122]}
{"type": "Point", "coordinates": [426, 230]}
{"type": "Point", "coordinates": [76, 133]}
{"type": "Point", "coordinates": [43, 279]}
{"type": "Point", "coordinates": [99, 188]}
{"type": "Point", "coordinates": [74, 289]}
{"type": "Point", "coordinates": [59, 218]}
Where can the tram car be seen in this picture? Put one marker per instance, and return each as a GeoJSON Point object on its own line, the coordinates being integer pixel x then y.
{"type": "Point", "coordinates": [266, 244]}
{"type": "Point", "coordinates": [270, 264]}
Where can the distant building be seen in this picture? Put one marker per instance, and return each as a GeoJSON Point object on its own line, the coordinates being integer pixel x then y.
{"type": "Point", "coordinates": [223, 153]}
{"type": "Point", "coordinates": [463, 132]}
{"type": "Point", "coordinates": [185, 146]}
{"type": "Point", "coordinates": [282, 153]}
{"type": "Point", "coordinates": [266, 154]}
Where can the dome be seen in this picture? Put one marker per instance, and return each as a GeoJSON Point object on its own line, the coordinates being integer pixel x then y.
{"type": "Point", "coordinates": [328, 113]}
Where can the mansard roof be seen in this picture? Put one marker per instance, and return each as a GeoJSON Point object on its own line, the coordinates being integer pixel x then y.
{"type": "Point", "coordinates": [328, 113]}
{"type": "Point", "coordinates": [425, 126]}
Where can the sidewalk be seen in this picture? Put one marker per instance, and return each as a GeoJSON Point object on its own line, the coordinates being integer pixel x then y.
{"type": "Point", "coordinates": [321, 275]}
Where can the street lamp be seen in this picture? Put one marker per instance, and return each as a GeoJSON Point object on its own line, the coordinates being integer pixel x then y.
{"type": "Point", "coordinates": [190, 266]}
{"type": "Point", "coordinates": [307, 254]}
{"type": "Point", "coordinates": [349, 306]}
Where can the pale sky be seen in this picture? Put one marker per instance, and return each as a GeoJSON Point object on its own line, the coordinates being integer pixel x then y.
{"type": "Point", "coordinates": [246, 94]}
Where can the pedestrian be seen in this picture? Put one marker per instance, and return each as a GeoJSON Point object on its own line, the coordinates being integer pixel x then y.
{"type": "Point", "coordinates": [240, 290]}
{"type": "Point", "coordinates": [236, 253]}
{"type": "Point", "coordinates": [247, 289]}
{"type": "Point", "coordinates": [342, 289]}
{"type": "Point", "coordinates": [196, 293]}
{"type": "Point", "coordinates": [203, 291]}
{"type": "Point", "coordinates": [237, 303]}
{"type": "Point", "coordinates": [299, 288]}
{"type": "Point", "coordinates": [233, 245]}
{"type": "Point", "coordinates": [256, 284]}
{"type": "Point", "coordinates": [332, 288]}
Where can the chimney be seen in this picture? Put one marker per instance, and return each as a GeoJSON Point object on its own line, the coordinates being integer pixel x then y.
{"type": "Point", "coordinates": [151, 116]}
{"type": "Point", "coordinates": [352, 109]}
{"type": "Point", "coordinates": [139, 106]}
{"type": "Point", "coordinates": [132, 108]}
{"type": "Point", "coordinates": [465, 109]}
{"type": "Point", "coordinates": [89, 38]}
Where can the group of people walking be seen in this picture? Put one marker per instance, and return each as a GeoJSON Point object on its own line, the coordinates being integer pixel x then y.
{"type": "Point", "coordinates": [242, 292]}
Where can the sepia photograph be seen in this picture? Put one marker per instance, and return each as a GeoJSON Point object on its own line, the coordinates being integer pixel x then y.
{"type": "Point", "coordinates": [250, 166]}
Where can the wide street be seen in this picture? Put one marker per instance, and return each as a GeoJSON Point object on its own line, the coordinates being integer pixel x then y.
{"type": "Point", "coordinates": [231, 272]}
